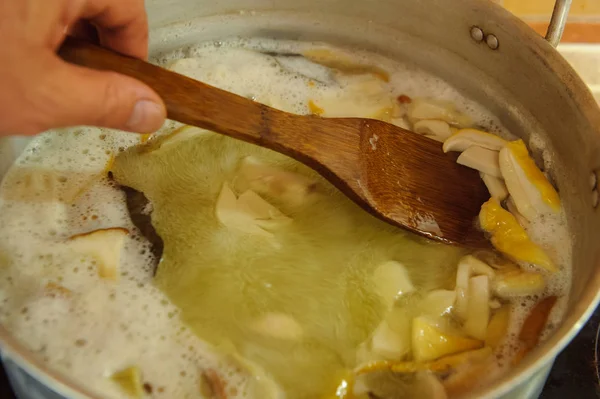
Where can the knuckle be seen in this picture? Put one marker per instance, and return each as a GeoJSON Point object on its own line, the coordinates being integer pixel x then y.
{"type": "Point", "coordinates": [115, 101]}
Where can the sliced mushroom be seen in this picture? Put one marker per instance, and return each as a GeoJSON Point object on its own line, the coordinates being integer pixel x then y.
{"type": "Point", "coordinates": [314, 109]}
{"type": "Point", "coordinates": [533, 326]}
{"type": "Point", "coordinates": [105, 245]}
{"type": "Point", "coordinates": [145, 137]}
{"type": "Point", "coordinates": [498, 327]}
{"type": "Point", "coordinates": [427, 108]}
{"type": "Point", "coordinates": [278, 325]}
{"type": "Point", "coordinates": [510, 238]}
{"type": "Point", "coordinates": [249, 213]}
{"type": "Point", "coordinates": [391, 280]}
{"type": "Point", "coordinates": [391, 385]}
{"type": "Point", "coordinates": [400, 122]}
{"type": "Point", "coordinates": [470, 375]}
{"type": "Point", "coordinates": [288, 187]}
{"type": "Point", "coordinates": [438, 303]}
{"type": "Point", "coordinates": [512, 208]}
{"type": "Point", "coordinates": [212, 385]}
{"type": "Point", "coordinates": [441, 365]}
{"type": "Point", "coordinates": [530, 189]}
{"type": "Point", "coordinates": [466, 138]}
{"type": "Point", "coordinates": [431, 340]}
{"type": "Point", "coordinates": [468, 267]}
{"type": "Point", "coordinates": [478, 308]}
{"type": "Point", "coordinates": [495, 304]}
{"type": "Point", "coordinates": [434, 129]}
{"type": "Point", "coordinates": [495, 186]}
{"type": "Point", "coordinates": [481, 159]}
{"type": "Point", "coordinates": [516, 283]}
{"type": "Point", "coordinates": [365, 97]}
{"type": "Point", "coordinates": [390, 344]}
{"type": "Point", "coordinates": [344, 63]}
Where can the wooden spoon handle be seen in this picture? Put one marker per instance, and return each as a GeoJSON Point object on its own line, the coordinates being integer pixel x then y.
{"type": "Point", "coordinates": [188, 101]}
{"type": "Point", "coordinates": [195, 103]}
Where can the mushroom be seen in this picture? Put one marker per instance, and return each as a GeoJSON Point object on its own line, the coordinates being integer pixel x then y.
{"type": "Point", "coordinates": [466, 138]}
{"type": "Point", "coordinates": [481, 159]}
{"type": "Point", "coordinates": [105, 245]}
{"type": "Point", "coordinates": [434, 129]}
{"type": "Point", "coordinates": [528, 187]}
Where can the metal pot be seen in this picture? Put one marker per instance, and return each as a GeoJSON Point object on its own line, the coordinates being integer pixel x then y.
{"type": "Point", "coordinates": [483, 50]}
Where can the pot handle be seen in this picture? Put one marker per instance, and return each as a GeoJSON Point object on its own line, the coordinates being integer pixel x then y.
{"type": "Point", "coordinates": [558, 21]}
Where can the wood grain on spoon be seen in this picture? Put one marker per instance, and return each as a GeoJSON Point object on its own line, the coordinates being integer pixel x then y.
{"type": "Point", "coordinates": [397, 175]}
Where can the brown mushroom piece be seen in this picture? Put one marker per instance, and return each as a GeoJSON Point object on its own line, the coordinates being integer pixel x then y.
{"type": "Point", "coordinates": [534, 324]}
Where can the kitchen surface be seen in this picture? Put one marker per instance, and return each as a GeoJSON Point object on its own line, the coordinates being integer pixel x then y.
{"type": "Point", "coordinates": [584, 17]}
{"type": "Point", "coordinates": [575, 372]}
{"type": "Point", "coordinates": [580, 44]}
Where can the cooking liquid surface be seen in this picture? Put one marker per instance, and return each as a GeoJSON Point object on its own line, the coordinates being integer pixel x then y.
{"type": "Point", "coordinates": [218, 293]}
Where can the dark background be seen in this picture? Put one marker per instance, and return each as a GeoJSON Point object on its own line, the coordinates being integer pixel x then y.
{"type": "Point", "coordinates": [574, 374]}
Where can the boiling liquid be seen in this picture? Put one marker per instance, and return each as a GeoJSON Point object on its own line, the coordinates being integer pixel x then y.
{"type": "Point", "coordinates": [317, 271]}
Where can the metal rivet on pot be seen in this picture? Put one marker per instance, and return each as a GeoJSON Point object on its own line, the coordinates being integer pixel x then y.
{"type": "Point", "coordinates": [476, 34]}
{"type": "Point", "coordinates": [593, 180]}
{"type": "Point", "coordinates": [595, 198]}
{"type": "Point", "coordinates": [492, 42]}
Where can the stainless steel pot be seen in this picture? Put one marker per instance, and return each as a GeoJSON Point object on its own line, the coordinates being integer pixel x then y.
{"type": "Point", "coordinates": [479, 47]}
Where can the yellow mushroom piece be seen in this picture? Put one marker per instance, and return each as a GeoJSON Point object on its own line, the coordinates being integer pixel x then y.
{"type": "Point", "coordinates": [145, 137]}
{"type": "Point", "coordinates": [431, 341]}
{"type": "Point", "coordinates": [440, 365]}
{"type": "Point", "coordinates": [345, 387]}
{"type": "Point", "coordinates": [513, 283]}
{"type": "Point", "coordinates": [533, 326]}
{"type": "Point", "coordinates": [130, 381]}
{"type": "Point", "coordinates": [530, 189]}
{"type": "Point", "coordinates": [314, 108]}
{"type": "Point", "coordinates": [344, 63]}
{"type": "Point", "coordinates": [498, 327]}
{"type": "Point", "coordinates": [510, 238]}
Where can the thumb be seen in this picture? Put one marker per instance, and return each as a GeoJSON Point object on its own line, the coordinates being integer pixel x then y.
{"type": "Point", "coordinates": [82, 96]}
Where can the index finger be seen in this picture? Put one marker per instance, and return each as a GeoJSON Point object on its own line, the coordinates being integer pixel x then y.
{"type": "Point", "coordinates": [122, 25]}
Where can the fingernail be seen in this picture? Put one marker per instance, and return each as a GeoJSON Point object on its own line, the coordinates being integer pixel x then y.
{"type": "Point", "coordinates": [147, 117]}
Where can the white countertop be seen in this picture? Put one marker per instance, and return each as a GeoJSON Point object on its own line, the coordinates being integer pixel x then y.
{"type": "Point", "coordinates": [585, 59]}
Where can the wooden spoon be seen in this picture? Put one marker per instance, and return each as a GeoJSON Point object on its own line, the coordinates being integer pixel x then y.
{"type": "Point", "coordinates": [397, 175]}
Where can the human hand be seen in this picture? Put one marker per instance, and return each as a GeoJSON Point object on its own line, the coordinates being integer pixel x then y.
{"type": "Point", "coordinates": [39, 91]}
